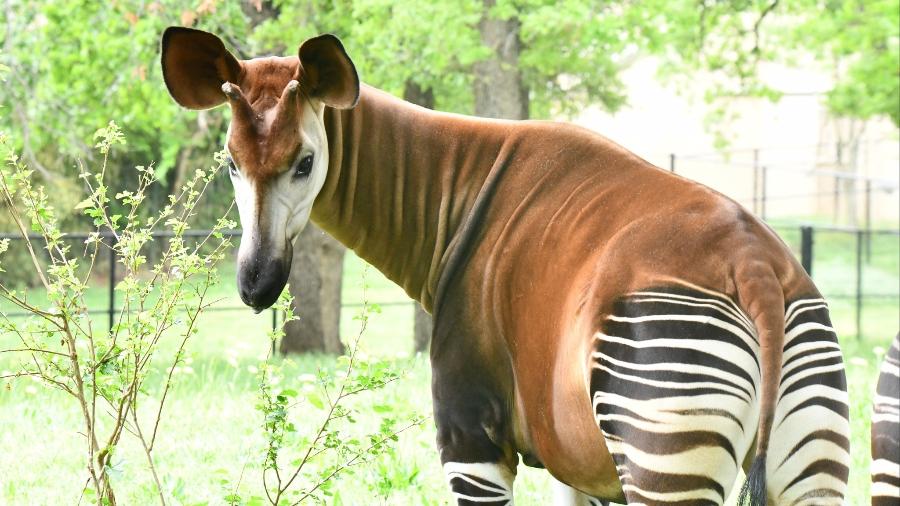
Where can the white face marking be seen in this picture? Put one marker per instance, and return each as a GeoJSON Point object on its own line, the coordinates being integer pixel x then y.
{"type": "Point", "coordinates": [288, 198]}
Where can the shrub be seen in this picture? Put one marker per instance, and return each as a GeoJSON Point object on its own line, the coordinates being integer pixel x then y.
{"type": "Point", "coordinates": [64, 345]}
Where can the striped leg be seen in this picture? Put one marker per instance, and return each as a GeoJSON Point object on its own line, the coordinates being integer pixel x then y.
{"type": "Point", "coordinates": [886, 431]}
{"type": "Point", "coordinates": [674, 388]}
{"type": "Point", "coordinates": [480, 483]}
{"type": "Point", "coordinates": [808, 460]}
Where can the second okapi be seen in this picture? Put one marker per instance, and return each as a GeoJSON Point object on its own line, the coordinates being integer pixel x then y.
{"type": "Point", "coordinates": [639, 335]}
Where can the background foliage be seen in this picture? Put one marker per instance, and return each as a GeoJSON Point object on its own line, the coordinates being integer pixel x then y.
{"type": "Point", "coordinates": [77, 63]}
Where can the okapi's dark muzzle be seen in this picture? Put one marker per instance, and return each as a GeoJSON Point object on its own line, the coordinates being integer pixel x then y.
{"type": "Point", "coordinates": [261, 280]}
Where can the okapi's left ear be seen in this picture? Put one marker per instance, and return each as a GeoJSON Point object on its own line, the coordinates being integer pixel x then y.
{"type": "Point", "coordinates": [328, 73]}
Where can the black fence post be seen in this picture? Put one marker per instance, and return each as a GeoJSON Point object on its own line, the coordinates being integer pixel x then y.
{"type": "Point", "coordinates": [112, 282]}
{"type": "Point", "coordinates": [806, 248]}
{"type": "Point", "coordinates": [859, 282]}
{"type": "Point", "coordinates": [274, 326]}
{"type": "Point", "coordinates": [672, 163]}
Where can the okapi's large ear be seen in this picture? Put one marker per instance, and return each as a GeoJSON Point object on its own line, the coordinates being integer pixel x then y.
{"type": "Point", "coordinates": [195, 64]}
{"type": "Point", "coordinates": [328, 73]}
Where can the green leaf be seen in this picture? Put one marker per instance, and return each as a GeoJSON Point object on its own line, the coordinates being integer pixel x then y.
{"type": "Point", "coordinates": [314, 399]}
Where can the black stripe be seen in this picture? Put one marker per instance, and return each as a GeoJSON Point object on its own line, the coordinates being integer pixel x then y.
{"type": "Point", "coordinates": [819, 315]}
{"type": "Point", "coordinates": [812, 336]}
{"type": "Point", "coordinates": [829, 435]}
{"type": "Point", "coordinates": [805, 354]}
{"type": "Point", "coordinates": [674, 329]}
{"type": "Point", "coordinates": [669, 355]}
{"type": "Point", "coordinates": [666, 443]}
{"type": "Point", "coordinates": [462, 486]}
{"type": "Point", "coordinates": [823, 466]}
{"type": "Point", "coordinates": [604, 382]}
{"type": "Point", "coordinates": [819, 493]}
{"type": "Point", "coordinates": [886, 478]}
{"type": "Point", "coordinates": [838, 407]}
{"type": "Point", "coordinates": [708, 412]}
{"type": "Point", "coordinates": [605, 408]}
{"type": "Point", "coordinates": [835, 360]}
{"type": "Point", "coordinates": [658, 482]}
{"type": "Point", "coordinates": [833, 379]}
{"type": "Point", "coordinates": [674, 376]}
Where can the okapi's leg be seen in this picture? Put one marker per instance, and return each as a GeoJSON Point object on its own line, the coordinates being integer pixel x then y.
{"type": "Point", "coordinates": [886, 431]}
{"type": "Point", "coordinates": [809, 453]}
{"type": "Point", "coordinates": [564, 495]}
{"type": "Point", "coordinates": [470, 413]}
{"type": "Point", "coordinates": [674, 384]}
{"type": "Point", "coordinates": [478, 470]}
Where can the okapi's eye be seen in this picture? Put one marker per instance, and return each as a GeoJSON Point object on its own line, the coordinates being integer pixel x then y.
{"type": "Point", "coordinates": [304, 166]}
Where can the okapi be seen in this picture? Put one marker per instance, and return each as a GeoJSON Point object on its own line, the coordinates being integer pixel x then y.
{"type": "Point", "coordinates": [639, 335]}
{"type": "Point", "coordinates": [886, 431]}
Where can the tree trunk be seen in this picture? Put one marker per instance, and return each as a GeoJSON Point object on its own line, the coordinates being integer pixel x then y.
{"type": "Point", "coordinates": [422, 322]}
{"type": "Point", "coordinates": [499, 89]}
{"type": "Point", "coordinates": [315, 284]}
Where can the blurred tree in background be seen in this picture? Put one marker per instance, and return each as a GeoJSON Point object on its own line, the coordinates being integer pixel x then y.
{"type": "Point", "coordinates": [857, 42]}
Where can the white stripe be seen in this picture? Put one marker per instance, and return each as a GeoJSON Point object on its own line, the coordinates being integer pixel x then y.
{"type": "Point", "coordinates": [885, 466]}
{"type": "Point", "coordinates": [803, 328]}
{"type": "Point", "coordinates": [885, 417]}
{"type": "Point", "coordinates": [882, 489]}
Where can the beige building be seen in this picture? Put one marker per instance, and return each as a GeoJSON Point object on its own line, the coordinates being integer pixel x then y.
{"type": "Point", "coordinates": [796, 138]}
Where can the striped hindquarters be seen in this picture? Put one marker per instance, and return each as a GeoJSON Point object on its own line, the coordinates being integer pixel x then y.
{"type": "Point", "coordinates": [809, 451]}
{"type": "Point", "coordinates": [674, 386]}
{"type": "Point", "coordinates": [886, 431]}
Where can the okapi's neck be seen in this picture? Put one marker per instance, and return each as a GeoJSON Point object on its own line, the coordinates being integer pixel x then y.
{"type": "Point", "coordinates": [402, 181]}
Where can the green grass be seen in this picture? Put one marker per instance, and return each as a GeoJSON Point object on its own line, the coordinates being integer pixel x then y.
{"type": "Point", "coordinates": [210, 431]}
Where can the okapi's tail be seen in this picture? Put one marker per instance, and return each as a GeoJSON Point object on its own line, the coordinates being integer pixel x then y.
{"type": "Point", "coordinates": [763, 298]}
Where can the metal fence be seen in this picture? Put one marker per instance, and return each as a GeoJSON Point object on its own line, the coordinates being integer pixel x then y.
{"type": "Point", "coordinates": [799, 181]}
{"type": "Point", "coordinates": [853, 267]}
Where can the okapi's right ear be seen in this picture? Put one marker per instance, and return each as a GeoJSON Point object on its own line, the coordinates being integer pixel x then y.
{"type": "Point", "coordinates": [328, 74]}
{"type": "Point", "coordinates": [195, 64]}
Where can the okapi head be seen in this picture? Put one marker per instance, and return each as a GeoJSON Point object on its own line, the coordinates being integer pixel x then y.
{"type": "Point", "coordinates": [276, 142]}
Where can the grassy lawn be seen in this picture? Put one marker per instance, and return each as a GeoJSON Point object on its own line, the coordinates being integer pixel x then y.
{"type": "Point", "coordinates": [211, 434]}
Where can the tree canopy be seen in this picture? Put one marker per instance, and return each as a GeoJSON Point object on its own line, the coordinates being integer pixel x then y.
{"type": "Point", "coordinates": [75, 64]}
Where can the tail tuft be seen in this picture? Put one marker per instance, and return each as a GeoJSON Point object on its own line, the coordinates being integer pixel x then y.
{"type": "Point", "coordinates": [753, 493]}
